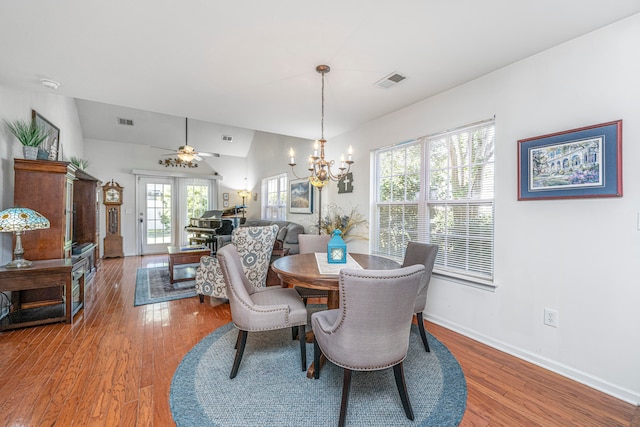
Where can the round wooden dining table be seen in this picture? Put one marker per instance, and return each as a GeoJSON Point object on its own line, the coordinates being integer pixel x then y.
{"type": "Point", "coordinates": [302, 270]}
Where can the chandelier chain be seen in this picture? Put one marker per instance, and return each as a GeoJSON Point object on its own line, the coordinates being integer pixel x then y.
{"type": "Point", "coordinates": [322, 111]}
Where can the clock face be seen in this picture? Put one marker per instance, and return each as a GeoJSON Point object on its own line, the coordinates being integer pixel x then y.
{"type": "Point", "coordinates": [113, 195]}
{"type": "Point", "coordinates": [337, 254]}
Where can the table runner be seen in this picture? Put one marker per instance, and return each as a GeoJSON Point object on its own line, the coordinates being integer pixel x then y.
{"type": "Point", "coordinates": [324, 267]}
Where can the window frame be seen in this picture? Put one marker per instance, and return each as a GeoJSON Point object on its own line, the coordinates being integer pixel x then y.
{"type": "Point", "coordinates": [416, 209]}
{"type": "Point", "coordinates": [281, 183]}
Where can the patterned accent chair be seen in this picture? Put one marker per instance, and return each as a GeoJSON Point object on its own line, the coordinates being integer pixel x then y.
{"type": "Point", "coordinates": [254, 246]}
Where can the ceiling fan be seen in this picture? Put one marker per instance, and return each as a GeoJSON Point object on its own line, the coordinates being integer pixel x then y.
{"type": "Point", "coordinates": [186, 152]}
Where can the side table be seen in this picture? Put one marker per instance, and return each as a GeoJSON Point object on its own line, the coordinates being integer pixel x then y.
{"type": "Point", "coordinates": [42, 274]}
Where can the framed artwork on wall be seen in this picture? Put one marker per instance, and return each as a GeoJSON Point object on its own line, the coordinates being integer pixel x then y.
{"type": "Point", "coordinates": [300, 196]}
{"type": "Point", "coordinates": [49, 148]}
{"type": "Point", "coordinates": [577, 163]}
{"type": "Point", "coordinates": [225, 196]}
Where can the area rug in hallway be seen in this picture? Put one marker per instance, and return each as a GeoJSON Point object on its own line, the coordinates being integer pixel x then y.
{"type": "Point", "coordinates": [152, 285]}
{"type": "Point", "coordinates": [271, 389]}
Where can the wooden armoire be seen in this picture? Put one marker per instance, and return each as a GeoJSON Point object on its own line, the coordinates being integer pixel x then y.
{"type": "Point", "coordinates": [68, 198]}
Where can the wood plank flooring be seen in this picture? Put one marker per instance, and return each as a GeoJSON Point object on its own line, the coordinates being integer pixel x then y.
{"type": "Point", "coordinates": [113, 367]}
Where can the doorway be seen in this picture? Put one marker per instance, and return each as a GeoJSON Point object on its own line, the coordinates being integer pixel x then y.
{"type": "Point", "coordinates": [155, 217]}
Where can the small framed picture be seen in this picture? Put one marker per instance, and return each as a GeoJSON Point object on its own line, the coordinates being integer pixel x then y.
{"type": "Point", "coordinates": [225, 196]}
{"type": "Point", "coordinates": [577, 163]}
{"type": "Point", "coordinates": [225, 204]}
{"type": "Point", "coordinates": [300, 196]}
{"type": "Point", "coordinates": [50, 147]}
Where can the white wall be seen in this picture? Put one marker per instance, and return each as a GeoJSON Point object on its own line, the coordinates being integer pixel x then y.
{"type": "Point", "coordinates": [580, 257]}
{"type": "Point", "coordinates": [269, 156]}
{"type": "Point", "coordinates": [117, 160]}
{"type": "Point", "coordinates": [17, 104]}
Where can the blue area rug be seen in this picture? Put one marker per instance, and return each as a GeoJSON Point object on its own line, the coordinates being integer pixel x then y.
{"type": "Point", "coordinates": [272, 390]}
{"type": "Point", "coordinates": [152, 284]}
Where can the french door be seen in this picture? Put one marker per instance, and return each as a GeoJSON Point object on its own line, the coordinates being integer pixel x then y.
{"type": "Point", "coordinates": [157, 202]}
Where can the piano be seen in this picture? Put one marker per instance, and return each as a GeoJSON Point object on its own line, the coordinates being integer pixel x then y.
{"type": "Point", "coordinates": [203, 230]}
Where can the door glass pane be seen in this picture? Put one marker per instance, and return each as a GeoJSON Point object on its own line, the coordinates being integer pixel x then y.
{"type": "Point", "coordinates": [158, 213]}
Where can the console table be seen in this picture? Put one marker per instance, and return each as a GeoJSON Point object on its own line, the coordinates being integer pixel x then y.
{"type": "Point", "coordinates": [62, 273]}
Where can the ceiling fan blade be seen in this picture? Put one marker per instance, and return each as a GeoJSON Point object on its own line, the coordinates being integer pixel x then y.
{"type": "Point", "coordinates": [197, 157]}
{"type": "Point", "coordinates": [162, 148]}
{"type": "Point", "coordinates": [206, 154]}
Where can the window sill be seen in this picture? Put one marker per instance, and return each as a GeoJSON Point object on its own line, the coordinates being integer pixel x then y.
{"type": "Point", "coordinates": [467, 281]}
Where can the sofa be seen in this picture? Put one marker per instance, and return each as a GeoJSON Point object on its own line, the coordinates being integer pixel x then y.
{"type": "Point", "coordinates": [287, 236]}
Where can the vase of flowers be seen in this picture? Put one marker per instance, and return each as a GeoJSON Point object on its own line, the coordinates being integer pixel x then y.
{"type": "Point", "coordinates": [353, 224]}
{"type": "Point", "coordinates": [30, 134]}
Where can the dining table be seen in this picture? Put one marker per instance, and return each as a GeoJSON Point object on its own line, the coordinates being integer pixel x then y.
{"type": "Point", "coordinates": [311, 270]}
{"type": "Point", "coordinates": [305, 270]}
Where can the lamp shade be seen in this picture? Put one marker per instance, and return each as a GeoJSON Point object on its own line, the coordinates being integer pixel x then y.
{"type": "Point", "coordinates": [19, 219]}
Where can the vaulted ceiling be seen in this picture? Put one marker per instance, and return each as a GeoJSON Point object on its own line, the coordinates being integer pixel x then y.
{"type": "Point", "coordinates": [250, 64]}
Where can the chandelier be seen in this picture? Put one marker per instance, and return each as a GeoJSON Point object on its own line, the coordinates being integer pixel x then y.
{"type": "Point", "coordinates": [320, 173]}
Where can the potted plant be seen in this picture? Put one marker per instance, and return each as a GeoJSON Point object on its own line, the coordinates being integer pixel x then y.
{"type": "Point", "coordinates": [30, 134]}
{"type": "Point", "coordinates": [80, 163]}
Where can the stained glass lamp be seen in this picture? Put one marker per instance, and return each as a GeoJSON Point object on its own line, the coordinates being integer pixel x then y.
{"type": "Point", "coordinates": [337, 249]}
{"type": "Point", "coordinates": [18, 220]}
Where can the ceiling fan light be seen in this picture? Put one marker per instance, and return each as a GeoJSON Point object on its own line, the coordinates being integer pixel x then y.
{"type": "Point", "coordinates": [185, 157]}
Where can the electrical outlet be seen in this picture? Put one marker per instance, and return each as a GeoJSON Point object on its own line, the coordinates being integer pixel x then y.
{"type": "Point", "coordinates": [551, 317]}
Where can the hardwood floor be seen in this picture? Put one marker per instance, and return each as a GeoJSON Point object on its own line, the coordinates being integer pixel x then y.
{"type": "Point", "coordinates": [113, 367]}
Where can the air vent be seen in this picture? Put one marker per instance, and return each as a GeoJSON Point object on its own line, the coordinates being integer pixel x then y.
{"type": "Point", "coordinates": [390, 80]}
{"type": "Point", "coordinates": [125, 122]}
{"type": "Point", "coordinates": [227, 138]}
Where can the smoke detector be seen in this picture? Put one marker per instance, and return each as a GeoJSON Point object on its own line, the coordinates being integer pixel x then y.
{"type": "Point", "coordinates": [390, 80]}
{"type": "Point", "coordinates": [51, 84]}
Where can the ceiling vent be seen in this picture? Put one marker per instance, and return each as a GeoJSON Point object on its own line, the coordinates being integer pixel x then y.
{"type": "Point", "coordinates": [125, 122]}
{"type": "Point", "coordinates": [227, 138]}
{"type": "Point", "coordinates": [390, 80]}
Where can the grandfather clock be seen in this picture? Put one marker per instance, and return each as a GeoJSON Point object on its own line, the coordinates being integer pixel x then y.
{"type": "Point", "coordinates": [112, 199]}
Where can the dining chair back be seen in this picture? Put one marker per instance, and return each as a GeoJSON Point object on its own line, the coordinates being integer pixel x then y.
{"type": "Point", "coordinates": [424, 254]}
{"type": "Point", "coordinates": [312, 243]}
{"type": "Point", "coordinates": [368, 332]}
{"type": "Point", "coordinates": [255, 309]}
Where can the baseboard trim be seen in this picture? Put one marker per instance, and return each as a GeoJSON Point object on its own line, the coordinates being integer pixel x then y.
{"type": "Point", "coordinates": [594, 382]}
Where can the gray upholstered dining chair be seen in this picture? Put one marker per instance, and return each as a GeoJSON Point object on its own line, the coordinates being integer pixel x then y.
{"type": "Point", "coordinates": [256, 309]}
{"type": "Point", "coordinates": [369, 331]}
{"type": "Point", "coordinates": [425, 254]}
{"type": "Point", "coordinates": [311, 243]}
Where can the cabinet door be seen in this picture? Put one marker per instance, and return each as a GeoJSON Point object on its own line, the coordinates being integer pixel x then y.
{"type": "Point", "coordinates": [68, 232]}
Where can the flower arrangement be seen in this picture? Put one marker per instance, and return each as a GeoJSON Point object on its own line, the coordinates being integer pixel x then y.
{"type": "Point", "coordinates": [350, 224]}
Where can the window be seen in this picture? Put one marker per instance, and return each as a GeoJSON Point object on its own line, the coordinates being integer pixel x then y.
{"type": "Point", "coordinates": [274, 197]}
{"type": "Point", "coordinates": [440, 189]}
{"type": "Point", "coordinates": [197, 199]}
